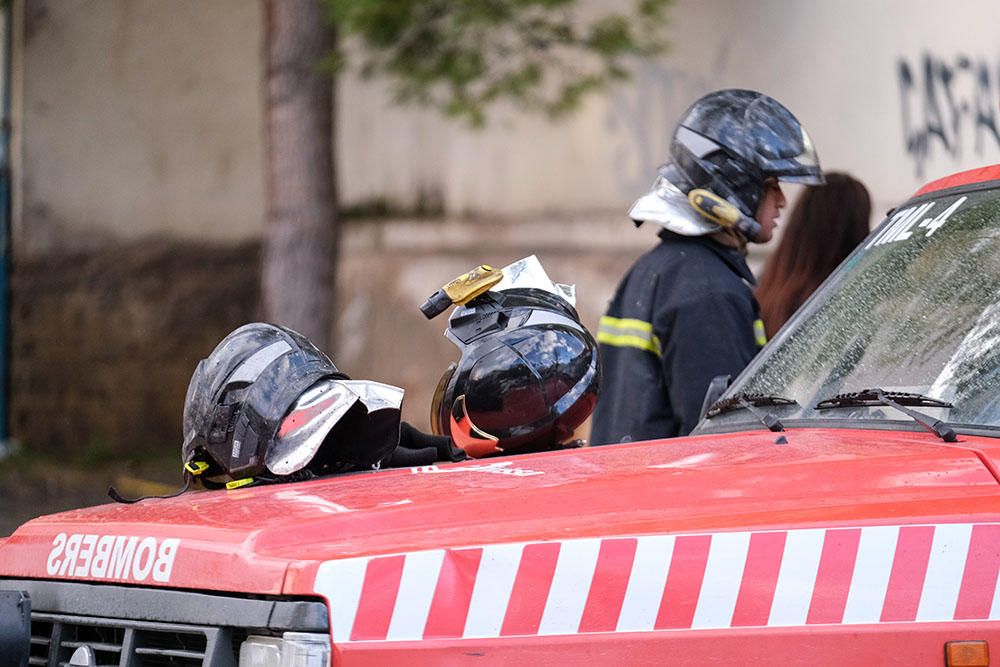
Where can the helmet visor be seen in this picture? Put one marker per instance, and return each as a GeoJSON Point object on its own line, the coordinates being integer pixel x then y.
{"type": "Point", "coordinates": [803, 169]}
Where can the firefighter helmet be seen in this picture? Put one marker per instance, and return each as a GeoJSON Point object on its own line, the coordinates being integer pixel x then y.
{"type": "Point", "coordinates": [730, 142]}
{"type": "Point", "coordinates": [528, 374]}
{"type": "Point", "coordinates": [266, 400]}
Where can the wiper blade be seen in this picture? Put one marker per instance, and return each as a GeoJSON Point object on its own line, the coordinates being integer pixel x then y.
{"type": "Point", "coordinates": [872, 397]}
{"type": "Point", "coordinates": [895, 399]}
{"type": "Point", "coordinates": [750, 402]}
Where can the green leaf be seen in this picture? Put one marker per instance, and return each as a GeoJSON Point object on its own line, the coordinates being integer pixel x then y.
{"type": "Point", "coordinates": [462, 56]}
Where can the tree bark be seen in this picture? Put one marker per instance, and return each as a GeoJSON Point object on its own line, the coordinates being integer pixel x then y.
{"type": "Point", "coordinates": [301, 233]}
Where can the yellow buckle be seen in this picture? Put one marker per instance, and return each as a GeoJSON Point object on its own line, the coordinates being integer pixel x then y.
{"type": "Point", "coordinates": [196, 467]}
{"type": "Point", "coordinates": [237, 483]}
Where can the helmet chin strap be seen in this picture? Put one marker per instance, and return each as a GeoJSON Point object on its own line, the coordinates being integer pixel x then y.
{"type": "Point", "coordinates": [118, 498]}
{"type": "Point", "coordinates": [732, 239]}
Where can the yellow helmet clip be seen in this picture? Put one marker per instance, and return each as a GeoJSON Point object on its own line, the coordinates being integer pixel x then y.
{"type": "Point", "coordinates": [196, 467]}
{"type": "Point", "coordinates": [715, 208]}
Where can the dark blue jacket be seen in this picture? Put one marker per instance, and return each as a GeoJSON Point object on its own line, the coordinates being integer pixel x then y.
{"type": "Point", "coordinates": [683, 314]}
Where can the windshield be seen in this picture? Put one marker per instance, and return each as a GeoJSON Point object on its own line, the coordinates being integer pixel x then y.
{"type": "Point", "coordinates": [915, 309]}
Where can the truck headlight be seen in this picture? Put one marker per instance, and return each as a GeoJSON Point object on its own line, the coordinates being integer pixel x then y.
{"type": "Point", "coordinates": [292, 649]}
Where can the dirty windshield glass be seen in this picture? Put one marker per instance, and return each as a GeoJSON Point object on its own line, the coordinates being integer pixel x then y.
{"type": "Point", "coordinates": [915, 309]}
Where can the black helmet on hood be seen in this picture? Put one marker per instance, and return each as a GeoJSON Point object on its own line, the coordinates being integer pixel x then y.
{"type": "Point", "coordinates": [731, 141]}
{"type": "Point", "coordinates": [265, 401]}
{"type": "Point", "coordinates": [528, 375]}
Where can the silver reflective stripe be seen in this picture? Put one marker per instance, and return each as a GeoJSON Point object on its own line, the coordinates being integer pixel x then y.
{"type": "Point", "coordinates": [250, 369]}
{"type": "Point", "coordinates": [696, 143]}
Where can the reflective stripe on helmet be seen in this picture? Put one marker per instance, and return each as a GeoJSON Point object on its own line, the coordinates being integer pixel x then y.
{"type": "Point", "coordinates": [628, 332]}
{"type": "Point", "coordinates": [250, 370]}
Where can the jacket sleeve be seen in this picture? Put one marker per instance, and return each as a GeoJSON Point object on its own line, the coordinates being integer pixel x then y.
{"type": "Point", "coordinates": [704, 337]}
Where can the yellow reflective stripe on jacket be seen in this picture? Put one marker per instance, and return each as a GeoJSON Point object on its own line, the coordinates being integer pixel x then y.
{"type": "Point", "coordinates": [628, 332]}
{"type": "Point", "coordinates": [759, 333]}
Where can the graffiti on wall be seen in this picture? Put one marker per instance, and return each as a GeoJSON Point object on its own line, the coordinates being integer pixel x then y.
{"type": "Point", "coordinates": [949, 106]}
{"type": "Point", "coordinates": [644, 113]}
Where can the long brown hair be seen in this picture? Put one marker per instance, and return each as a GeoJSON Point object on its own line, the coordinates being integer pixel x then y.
{"type": "Point", "coordinates": [825, 225]}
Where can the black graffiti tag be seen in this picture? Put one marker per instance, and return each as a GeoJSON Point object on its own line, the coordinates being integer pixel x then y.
{"type": "Point", "coordinates": [943, 102]}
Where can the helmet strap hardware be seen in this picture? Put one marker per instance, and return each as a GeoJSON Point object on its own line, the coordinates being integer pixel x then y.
{"type": "Point", "coordinates": [196, 468]}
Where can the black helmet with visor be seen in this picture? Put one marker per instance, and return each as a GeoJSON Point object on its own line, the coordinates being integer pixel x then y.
{"type": "Point", "coordinates": [529, 371]}
{"type": "Point", "coordinates": [731, 142]}
{"type": "Point", "coordinates": [266, 400]}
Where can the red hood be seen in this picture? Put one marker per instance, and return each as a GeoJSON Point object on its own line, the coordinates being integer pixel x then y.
{"type": "Point", "coordinates": [271, 539]}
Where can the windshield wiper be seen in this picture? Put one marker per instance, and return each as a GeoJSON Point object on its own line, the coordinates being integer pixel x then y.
{"type": "Point", "coordinates": [750, 402]}
{"type": "Point", "coordinates": [895, 399]}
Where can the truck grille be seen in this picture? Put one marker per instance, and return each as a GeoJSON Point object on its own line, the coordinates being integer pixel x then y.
{"type": "Point", "coordinates": [55, 637]}
{"type": "Point", "coordinates": [147, 627]}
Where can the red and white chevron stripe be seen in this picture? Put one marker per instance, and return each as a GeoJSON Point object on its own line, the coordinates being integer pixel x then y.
{"type": "Point", "coordinates": [876, 574]}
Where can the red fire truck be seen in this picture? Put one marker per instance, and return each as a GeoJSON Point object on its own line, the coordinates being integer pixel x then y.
{"type": "Point", "coordinates": [839, 505]}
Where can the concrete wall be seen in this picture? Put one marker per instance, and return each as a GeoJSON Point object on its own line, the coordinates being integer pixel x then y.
{"type": "Point", "coordinates": [105, 341]}
{"type": "Point", "coordinates": [140, 116]}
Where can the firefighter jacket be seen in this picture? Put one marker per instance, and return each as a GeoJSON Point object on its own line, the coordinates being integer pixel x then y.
{"type": "Point", "coordinates": [683, 314]}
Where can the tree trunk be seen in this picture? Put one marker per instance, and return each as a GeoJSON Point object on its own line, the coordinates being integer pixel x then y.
{"type": "Point", "coordinates": [301, 236]}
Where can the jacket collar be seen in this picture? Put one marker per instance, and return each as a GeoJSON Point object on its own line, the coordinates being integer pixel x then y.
{"type": "Point", "coordinates": [731, 256]}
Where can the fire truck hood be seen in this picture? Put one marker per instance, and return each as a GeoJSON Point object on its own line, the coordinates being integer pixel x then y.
{"type": "Point", "coordinates": [271, 539]}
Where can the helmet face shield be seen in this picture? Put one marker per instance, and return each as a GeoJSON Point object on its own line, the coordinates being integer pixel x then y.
{"type": "Point", "coordinates": [804, 168]}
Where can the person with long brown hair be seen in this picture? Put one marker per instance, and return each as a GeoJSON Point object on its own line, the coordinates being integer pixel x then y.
{"type": "Point", "coordinates": [825, 225]}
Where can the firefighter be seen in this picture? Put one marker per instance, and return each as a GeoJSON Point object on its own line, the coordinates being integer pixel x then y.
{"type": "Point", "coordinates": [685, 312]}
